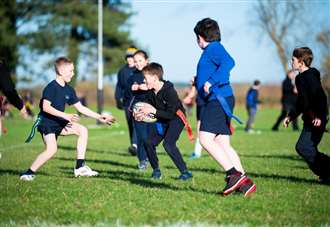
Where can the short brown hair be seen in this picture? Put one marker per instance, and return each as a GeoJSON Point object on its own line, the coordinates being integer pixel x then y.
{"type": "Point", "coordinates": [154, 69]}
{"type": "Point", "coordinates": [303, 54]}
{"type": "Point", "coordinates": [208, 29]}
{"type": "Point", "coordinates": [61, 61]}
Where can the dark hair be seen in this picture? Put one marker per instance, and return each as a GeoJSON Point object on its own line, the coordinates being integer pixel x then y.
{"type": "Point", "coordinates": [141, 52]}
{"type": "Point", "coordinates": [303, 54]}
{"type": "Point", "coordinates": [130, 52]}
{"type": "Point", "coordinates": [208, 29]}
{"type": "Point", "coordinates": [61, 61]}
{"type": "Point", "coordinates": [256, 82]}
{"type": "Point", "coordinates": [154, 69]}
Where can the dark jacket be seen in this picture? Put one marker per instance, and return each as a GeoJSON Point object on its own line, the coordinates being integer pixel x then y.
{"type": "Point", "coordinates": [8, 88]}
{"type": "Point", "coordinates": [252, 99]}
{"type": "Point", "coordinates": [122, 79]}
{"type": "Point", "coordinates": [132, 97]}
{"type": "Point", "coordinates": [166, 102]}
{"type": "Point", "coordinates": [288, 95]}
{"type": "Point", "coordinates": [311, 101]}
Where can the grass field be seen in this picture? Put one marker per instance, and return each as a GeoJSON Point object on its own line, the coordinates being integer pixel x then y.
{"type": "Point", "coordinates": [287, 192]}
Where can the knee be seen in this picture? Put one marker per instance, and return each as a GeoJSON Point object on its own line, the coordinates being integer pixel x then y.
{"type": "Point", "coordinates": [300, 148]}
{"type": "Point", "coordinates": [83, 131]}
{"type": "Point", "coordinates": [168, 145]}
{"type": "Point", "coordinates": [51, 150]}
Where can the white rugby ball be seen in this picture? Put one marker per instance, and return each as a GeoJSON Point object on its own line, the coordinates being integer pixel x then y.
{"type": "Point", "coordinates": [149, 118]}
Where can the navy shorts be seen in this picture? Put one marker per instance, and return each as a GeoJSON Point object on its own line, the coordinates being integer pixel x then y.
{"type": "Point", "coordinates": [199, 111]}
{"type": "Point", "coordinates": [48, 129]}
{"type": "Point", "coordinates": [214, 119]}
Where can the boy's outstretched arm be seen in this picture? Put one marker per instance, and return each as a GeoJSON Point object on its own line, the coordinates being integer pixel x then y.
{"type": "Point", "coordinates": [88, 112]}
{"type": "Point", "coordinates": [46, 107]}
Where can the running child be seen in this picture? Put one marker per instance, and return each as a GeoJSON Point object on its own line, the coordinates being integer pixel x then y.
{"type": "Point", "coordinates": [312, 104]}
{"type": "Point", "coordinates": [53, 121]}
{"type": "Point", "coordinates": [213, 86]}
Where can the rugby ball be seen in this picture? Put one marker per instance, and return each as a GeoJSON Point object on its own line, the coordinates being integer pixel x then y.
{"type": "Point", "coordinates": [149, 118]}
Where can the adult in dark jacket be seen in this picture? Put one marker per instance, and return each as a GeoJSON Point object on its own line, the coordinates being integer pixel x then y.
{"type": "Point", "coordinates": [289, 98]}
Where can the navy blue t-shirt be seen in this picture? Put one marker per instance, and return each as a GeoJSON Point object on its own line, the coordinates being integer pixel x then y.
{"type": "Point", "coordinates": [58, 96]}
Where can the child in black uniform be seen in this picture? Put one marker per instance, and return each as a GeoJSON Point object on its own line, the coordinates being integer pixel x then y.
{"type": "Point", "coordinates": [53, 121]}
{"type": "Point", "coordinates": [312, 104]}
{"type": "Point", "coordinates": [168, 109]}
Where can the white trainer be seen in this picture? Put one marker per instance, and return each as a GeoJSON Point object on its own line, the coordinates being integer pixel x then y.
{"type": "Point", "coordinates": [85, 171]}
{"type": "Point", "coordinates": [27, 177]}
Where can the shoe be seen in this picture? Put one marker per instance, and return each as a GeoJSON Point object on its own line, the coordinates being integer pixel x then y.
{"type": "Point", "coordinates": [156, 174]}
{"type": "Point", "coordinates": [85, 171]}
{"type": "Point", "coordinates": [234, 181]}
{"type": "Point", "coordinates": [132, 150]}
{"type": "Point", "coordinates": [186, 175]}
{"type": "Point", "coordinates": [143, 165]}
{"type": "Point", "coordinates": [274, 129]}
{"type": "Point", "coordinates": [194, 156]}
{"type": "Point", "coordinates": [27, 177]}
{"type": "Point", "coordinates": [324, 180]}
{"type": "Point", "coordinates": [248, 187]}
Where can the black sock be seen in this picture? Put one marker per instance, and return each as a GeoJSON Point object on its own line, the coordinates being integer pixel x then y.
{"type": "Point", "coordinates": [231, 171]}
{"type": "Point", "coordinates": [29, 171]}
{"type": "Point", "coordinates": [80, 163]}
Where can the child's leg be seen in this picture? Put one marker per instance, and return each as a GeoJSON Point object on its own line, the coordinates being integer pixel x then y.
{"type": "Point", "coordinates": [51, 148]}
{"type": "Point", "coordinates": [171, 137]}
{"type": "Point", "coordinates": [82, 133]}
{"type": "Point", "coordinates": [224, 142]}
{"type": "Point", "coordinates": [209, 143]}
{"type": "Point", "coordinates": [198, 146]}
{"type": "Point", "coordinates": [150, 146]}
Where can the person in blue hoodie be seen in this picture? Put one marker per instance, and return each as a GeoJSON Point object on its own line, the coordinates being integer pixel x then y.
{"type": "Point", "coordinates": [213, 86]}
{"type": "Point", "coordinates": [252, 102]}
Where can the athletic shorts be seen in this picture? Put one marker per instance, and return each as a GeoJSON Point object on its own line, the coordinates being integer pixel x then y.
{"type": "Point", "coordinates": [214, 119]}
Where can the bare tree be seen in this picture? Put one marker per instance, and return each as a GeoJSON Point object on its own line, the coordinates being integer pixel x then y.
{"type": "Point", "coordinates": [277, 19]}
{"type": "Point", "coordinates": [324, 39]}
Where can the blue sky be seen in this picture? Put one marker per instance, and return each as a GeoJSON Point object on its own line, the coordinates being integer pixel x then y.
{"type": "Point", "coordinates": [165, 30]}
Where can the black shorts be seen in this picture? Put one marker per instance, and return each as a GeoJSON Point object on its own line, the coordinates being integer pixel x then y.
{"type": "Point", "coordinates": [214, 119]}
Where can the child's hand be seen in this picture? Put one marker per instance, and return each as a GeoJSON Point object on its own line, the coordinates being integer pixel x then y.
{"type": "Point", "coordinates": [316, 122]}
{"type": "Point", "coordinates": [71, 117]}
{"type": "Point", "coordinates": [286, 122]}
{"type": "Point", "coordinates": [107, 119]}
{"type": "Point", "coordinates": [143, 87]}
{"type": "Point", "coordinates": [135, 87]}
{"type": "Point", "coordinates": [207, 86]}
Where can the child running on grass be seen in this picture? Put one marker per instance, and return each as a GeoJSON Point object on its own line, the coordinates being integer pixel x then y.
{"type": "Point", "coordinates": [213, 86]}
{"type": "Point", "coordinates": [167, 108]}
{"type": "Point", "coordinates": [312, 104]}
{"type": "Point", "coordinates": [53, 121]}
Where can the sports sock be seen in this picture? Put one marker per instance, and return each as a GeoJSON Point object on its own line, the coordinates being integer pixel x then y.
{"type": "Point", "coordinates": [231, 171]}
{"type": "Point", "coordinates": [30, 172]}
{"type": "Point", "coordinates": [80, 163]}
{"type": "Point", "coordinates": [198, 148]}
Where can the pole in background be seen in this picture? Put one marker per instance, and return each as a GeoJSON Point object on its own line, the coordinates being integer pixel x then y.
{"type": "Point", "coordinates": [100, 98]}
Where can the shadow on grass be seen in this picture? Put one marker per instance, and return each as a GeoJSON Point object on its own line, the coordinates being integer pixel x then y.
{"type": "Point", "coordinates": [17, 172]}
{"type": "Point", "coordinates": [71, 148]}
{"type": "Point", "coordinates": [286, 178]}
{"type": "Point", "coordinates": [287, 157]}
{"type": "Point", "coordinates": [108, 162]}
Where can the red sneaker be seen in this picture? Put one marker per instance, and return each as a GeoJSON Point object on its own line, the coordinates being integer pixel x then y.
{"type": "Point", "coordinates": [247, 187]}
{"type": "Point", "coordinates": [234, 181]}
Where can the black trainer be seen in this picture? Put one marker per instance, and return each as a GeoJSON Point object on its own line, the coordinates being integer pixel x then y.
{"type": "Point", "coordinates": [234, 181]}
{"type": "Point", "coordinates": [132, 150]}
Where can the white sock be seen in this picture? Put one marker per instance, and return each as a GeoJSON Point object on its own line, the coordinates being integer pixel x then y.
{"type": "Point", "coordinates": [198, 148]}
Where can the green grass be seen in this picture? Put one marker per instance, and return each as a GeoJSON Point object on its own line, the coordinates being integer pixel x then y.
{"type": "Point", "coordinates": [287, 191]}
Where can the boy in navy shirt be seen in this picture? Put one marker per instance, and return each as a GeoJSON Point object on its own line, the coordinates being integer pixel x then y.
{"type": "Point", "coordinates": [213, 86]}
{"type": "Point", "coordinates": [252, 102]}
{"type": "Point", "coordinates": [53, 121]}
{"type": "Point", "coordinates": [167, 108]}
{"type": "Point", "coordinates": [312, 104]}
